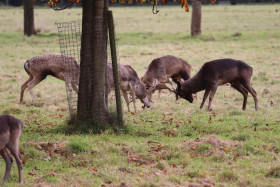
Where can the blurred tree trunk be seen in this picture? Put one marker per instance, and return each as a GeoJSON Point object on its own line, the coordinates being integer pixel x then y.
{"type": "Point", "coordinates": [233, 2]}
{"type": "Point", "coordinates": [196, 18]}
{"type": "Point", "coordinates": [92, 104]}
{"type": "Point", "coordinates": [29, 28]}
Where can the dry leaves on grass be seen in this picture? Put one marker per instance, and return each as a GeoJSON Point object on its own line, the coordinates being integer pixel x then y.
{"type": "Point", "coordinates": [137, 159]}
{"type": "Point", "coordinates": [219, 146]}
{"type": "Point", "coordinates": [204, 182]}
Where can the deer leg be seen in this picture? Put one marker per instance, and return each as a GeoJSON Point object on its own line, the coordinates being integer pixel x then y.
{"type": "Point", "coordinates": [248, 86]}
{"type": "Point", "coordinates": [238, 86]}
{"type": "Point", "coordinates": [23, 87]}
{"type": "Point", "coordinates": [159, 92]}
{"type": "Point", "coordinates": [70, 91]}
{"type": "Point", "coordinates": [75, 87]}
{"type": "Point", "coordinates": [9, 161]}
{"type": "Point", "coordinates": [168, 81]}
{"type": "Point", "coordinates": [31, 85]}
{"type": "Point", "coordinates": [15, 152]}
{"type": "Point", "coordinates": [134, 99]}
{"type": "Point", "coordinates": [126, 99]}
{"type": "Point", "coordinates": [206, 93]}
{"type": "Point", "coordinates": [211, 96]}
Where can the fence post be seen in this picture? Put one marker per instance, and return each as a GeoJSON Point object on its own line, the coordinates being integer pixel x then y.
{"type": "Point", "coordinates": [115, 66]}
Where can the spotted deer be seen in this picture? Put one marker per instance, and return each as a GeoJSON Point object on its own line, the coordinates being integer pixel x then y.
{"type": "Point", "coordinates": [161, 69]}
{"type": "Point", "coordinates": [129, 82]}
{"type": "Point", "coordinates": [62, 67]}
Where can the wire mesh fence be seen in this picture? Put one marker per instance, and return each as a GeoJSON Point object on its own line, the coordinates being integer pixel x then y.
{"type": "Point", "coordinates": [70, 35]}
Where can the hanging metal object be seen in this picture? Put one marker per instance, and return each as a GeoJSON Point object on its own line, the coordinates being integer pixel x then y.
{"type": "Point", "coordinates": [155, 11]}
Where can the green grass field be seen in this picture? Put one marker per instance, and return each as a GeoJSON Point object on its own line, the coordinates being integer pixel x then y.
{"type": "Point", "coordinates": [173, 143]}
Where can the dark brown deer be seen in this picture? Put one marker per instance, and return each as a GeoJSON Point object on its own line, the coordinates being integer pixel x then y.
{"type": "Point", "coordinates": [62, 67]}
{"type": "Point", "coordinates": [215, 73]}
{"type": "Point", "coordinates": [129, 82]}
{"type": "Point", "coordinates": [10, 130]}
{"type": "Point", "coordinates": [161, 69]}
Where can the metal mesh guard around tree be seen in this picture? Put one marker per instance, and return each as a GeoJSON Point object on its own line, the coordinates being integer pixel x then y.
{"type": "Point", "coordinates": [70, 46]}
{"type": "Point", "coordinates": [69, 34]}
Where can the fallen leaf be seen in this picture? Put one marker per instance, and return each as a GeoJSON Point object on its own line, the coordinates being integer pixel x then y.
{"type": "Point", "coordinates": [48, 158]}
{"type": "Point", "coordinates": [32, 173]}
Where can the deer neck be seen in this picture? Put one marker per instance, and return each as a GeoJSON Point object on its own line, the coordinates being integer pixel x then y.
{"type": "Point", "coordinates": [195, 84]}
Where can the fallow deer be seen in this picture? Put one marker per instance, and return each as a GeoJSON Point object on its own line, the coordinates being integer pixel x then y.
{"type": "Point", "coordinates": [10, 130]}
{"type": "Point", "coordinates": [161, 69]}
{"type": "Point", "coordinates": [215, 73]}
{"type": "Point", "coordinates": [62, 67]}
{"type": "Point", "coordinates": [129, 82]}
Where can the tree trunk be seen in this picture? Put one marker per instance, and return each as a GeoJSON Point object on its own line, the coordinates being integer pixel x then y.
{"type": "Point", "coordinates": [29, 28]}
{"type": "Point", "coordinates": [233, 2]}
{"type": "Point", "coordinates": [196, 18]}
{"type": "Point", "coordinates": [92, 104]}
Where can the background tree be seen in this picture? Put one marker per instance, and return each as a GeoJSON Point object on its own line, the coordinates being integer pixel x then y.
{"type": "Point", "coordinates": [233, 2]}
{"type": "Point", "coordinates": [29, 28]}
{"type": "Point", "coordinates": [196, 18]}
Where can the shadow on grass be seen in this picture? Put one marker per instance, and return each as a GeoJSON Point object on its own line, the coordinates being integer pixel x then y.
{"type": "Point", "coordinates": [71, 128]}
{"type": "Point", "coordinates": [46, 35]}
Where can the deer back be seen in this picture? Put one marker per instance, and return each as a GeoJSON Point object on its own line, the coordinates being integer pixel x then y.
{"type": "Point", "coordinates": [166, 67]}
{"type": "Point", "coordinates": [52, 64]}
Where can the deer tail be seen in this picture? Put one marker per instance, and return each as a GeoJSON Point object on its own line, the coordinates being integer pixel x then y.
{"type": "Point", "coordinates": [26, 65]}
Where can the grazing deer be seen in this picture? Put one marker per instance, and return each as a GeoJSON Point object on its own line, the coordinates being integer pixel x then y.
{"type": "Point", "coordinates": [215, 73]}
{"type": "Point", "coordinates": [10, 130]}
{"type": "Point", "coordinates": [62, 67]}
{"type": "Point", "coordinates": [129, 81]}
{"type": "Point", "coordinates": [161, 69]}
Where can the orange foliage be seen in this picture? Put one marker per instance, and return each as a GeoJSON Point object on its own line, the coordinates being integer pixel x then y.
{"type": "Point", "coordinates": [163, 2]}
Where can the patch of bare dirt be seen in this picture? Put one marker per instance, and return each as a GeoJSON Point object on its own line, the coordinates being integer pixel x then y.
{"type": "Point", "coordinates": [135, 158]}
{"type": "Point", "coordinates": [219, 146]}
{"type": "Point", "coordinates": [204, 182]}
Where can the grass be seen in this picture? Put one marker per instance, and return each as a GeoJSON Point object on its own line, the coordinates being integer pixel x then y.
{"type": "Point", "coordinates": [173, 143]}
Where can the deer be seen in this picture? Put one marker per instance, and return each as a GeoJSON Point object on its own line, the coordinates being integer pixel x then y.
{"type": "Point", "coordinates": [161, 69]}
{"type": "Point", "coordinates": [62, 67]}
{"type": "Point", "coordinates": [215, 73]}
{"type": "Point", "coordinates": [129, 82]}
{"type": "Point", "coordinates": [10, 131]}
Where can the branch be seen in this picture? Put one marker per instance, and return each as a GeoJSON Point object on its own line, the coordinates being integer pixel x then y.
{"type": "Point", "coordinates": [57, 9]}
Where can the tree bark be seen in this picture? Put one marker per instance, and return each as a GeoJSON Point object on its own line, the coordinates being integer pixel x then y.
{"type": "Point", "coordinates": [196, 18]}
{"type": "Point", "coordinates": [92, 103]}
{"type": "Point", "coordinates": [29, 28]}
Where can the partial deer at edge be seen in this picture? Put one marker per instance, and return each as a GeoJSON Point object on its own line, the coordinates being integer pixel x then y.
{"type": "Point", "coordinates": [10, 130]}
